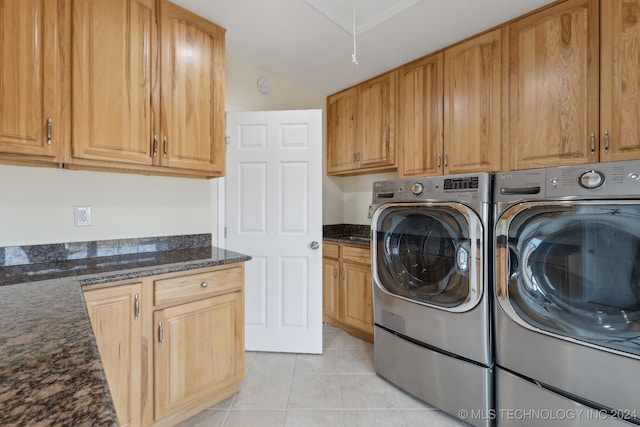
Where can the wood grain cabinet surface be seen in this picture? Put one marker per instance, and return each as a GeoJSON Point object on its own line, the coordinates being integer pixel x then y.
{"type": "Point", "coordinates": [420, 117]}
{"type": "Point", "coordinates": [450, 109]}
{"type": "Point", "coordinates": [119, 85]}
{"type": "Point", "coordinates": [553, 86]}
{"type": "Point", "coordinates": [361, 127]}
{"type": "Point", "coordinates": [347, 292]}
{"type": "Point", "coordinates": [619, 80]}
{"type": "Point", "coordinates": [473, 105]}
{"type": "Point", "coordinates": [33, 81]}
{"type": "Point", "coordinates": [171, 345]}
{"type": "Point", "coordinates": [117, 326]}
{"type": "Point", "coordinates": [148, 89]}
{"type": "Point", "coordinates": [574, 84]}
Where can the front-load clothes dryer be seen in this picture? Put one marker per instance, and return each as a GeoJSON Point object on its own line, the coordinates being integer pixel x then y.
{"type": "Point", "coordinates": [567, 286]}
{"type": "Point", "coordinates": [431, 291]}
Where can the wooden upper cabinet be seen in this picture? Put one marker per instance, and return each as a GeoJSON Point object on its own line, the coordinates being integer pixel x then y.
{"type": "Point", "coordinates": [377, 122]}
{"type": "Point", "coordinates": [341, 131]}
{"type": "Point", "coordinates": [553, 86]}
{"type": "Point", "coordinates": [361, 127]}
{"type": "Point", "coordinates": [192, 91]}
{"type": "Point", "coordinates": [33, 79]}
{"type": "Point", "coordinates": [473, 105]}
{"type": "Point", "coordinates": [114, 66]}
{"type": "Point", "coordinates": [620, 80]}
{"type": "Point", "coordinates": [420, 136]}
{"type": "Point", "coordinates": [148, 88]}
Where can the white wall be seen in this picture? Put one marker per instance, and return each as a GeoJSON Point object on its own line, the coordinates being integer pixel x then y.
{"type": "Point", "coordinates": [357, 196]}
{"type": "Point", "coordinates": [36, 205]}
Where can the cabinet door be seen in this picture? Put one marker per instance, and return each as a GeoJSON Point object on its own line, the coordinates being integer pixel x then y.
{"type": "Point", "coordinates": [32, 78]}
{"type": "Point", "coordinates": [114, 63]}
{"type": "Point", "coordinates": [199, 351]}
{"type": "Point", "coordinates": [116, 321]}
{"type": "Point", "coordinates": [377, 122]}
{"type": "Point", "coordinates": [420, 117]}
{"type": "Point", "coordinates": [192, 100]}
{"type": "Point", "coordinates": [341, 131]}
{"type": "Point", "coordinates": [357, 309]}
{"type": "Point", "coordinates": [620, 80]}
{"type": "Point", "coordinates": [553, 86]}
{"type": "Point", "coordinates": [330, 289]}
{"type": "Point", "coordinates": [473, 105]}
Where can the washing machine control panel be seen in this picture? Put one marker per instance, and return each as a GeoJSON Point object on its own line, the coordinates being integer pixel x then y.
{"type": "Point", "coordinates": [466, 183]}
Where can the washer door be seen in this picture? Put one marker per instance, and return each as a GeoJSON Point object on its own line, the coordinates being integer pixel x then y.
{"type": "Point", "coordinates": [429, 254]}
{"type": "Point", "coordinates": [572, 270]}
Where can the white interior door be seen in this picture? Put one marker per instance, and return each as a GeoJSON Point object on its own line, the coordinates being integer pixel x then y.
{"type": "Point", "coordinates": [274, 214]}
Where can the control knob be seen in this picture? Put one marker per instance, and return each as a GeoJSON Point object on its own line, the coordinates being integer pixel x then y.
{"type": "Point", "coordinates": [591, 179]}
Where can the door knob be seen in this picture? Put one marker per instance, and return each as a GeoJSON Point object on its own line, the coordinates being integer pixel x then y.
{"type": "Point", "coordinates": [314, 245]}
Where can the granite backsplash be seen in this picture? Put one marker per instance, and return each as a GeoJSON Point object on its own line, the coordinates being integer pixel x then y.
{"type": "Point", "coordinates": [341, 230]}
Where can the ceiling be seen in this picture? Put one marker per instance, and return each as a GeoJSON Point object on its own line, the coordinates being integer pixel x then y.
{"type": "Point", "coordinates": [311, 42]}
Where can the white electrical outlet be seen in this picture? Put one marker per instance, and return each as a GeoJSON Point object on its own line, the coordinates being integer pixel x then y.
{"type": "Point", "coordinates": [82, 216]}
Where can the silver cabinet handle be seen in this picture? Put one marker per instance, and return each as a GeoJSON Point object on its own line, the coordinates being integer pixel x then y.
{"type": "Point", "coordinates": [204, 284]}
{"type": "Point", "coordinates": [593, 143]}
{"type": "Point", "coordinates": [439, 160]}
{"type": "Point", "coordinates": [155, 145]}
{"type": "Point", "coordinates": [446, 160]}
{"type": "Point", "coordinates": [165, 145]}
{"type": "Point", "coordinates": [314, 245]}
{"type": "Point", "coordinates": [49, 126]}
{"type": "Point", "coordinates": [136, 313]}
{"type": "Point", "coordinates": [160, 333]}
{"type": "Point", "coordinates": [606, 141]}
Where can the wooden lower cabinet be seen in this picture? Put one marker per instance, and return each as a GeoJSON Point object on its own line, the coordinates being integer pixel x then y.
{"type": "Point", "coordinates": [170, 345]}
{"type": "Point", "coordinates": [199, 356]}
{"type": "Point", "coordinates": [347, 292]}
{"type": "Point", "coordinates": [115, 317]}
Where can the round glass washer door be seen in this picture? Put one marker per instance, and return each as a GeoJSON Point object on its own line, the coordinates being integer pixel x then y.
{"type": "Point", "coordinates": [573, 270]}
{"type": "Point", "coordinates": [429, 254]}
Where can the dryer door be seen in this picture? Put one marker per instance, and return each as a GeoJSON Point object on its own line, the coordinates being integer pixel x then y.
{"type": "Point", "coordinates": [429, 253]}
{"type": "Point", "coordinates": [572, 270]}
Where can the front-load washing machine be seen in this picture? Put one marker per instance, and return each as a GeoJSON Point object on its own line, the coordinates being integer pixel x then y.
{"type": "Point", "coordinates": [567, 286]}
{"type": "Point", "coordinates": [431, 290]}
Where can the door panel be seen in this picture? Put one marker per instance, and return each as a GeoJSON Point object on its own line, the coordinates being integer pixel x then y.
{"type": "Point", "coordinates": [274, 213]}
{"type": "Point", "coordinates": [192, 55]}
{"type": "Point", "coordinates": [32, 38]}
{"type": "Point", "coordinates": [114, 66]}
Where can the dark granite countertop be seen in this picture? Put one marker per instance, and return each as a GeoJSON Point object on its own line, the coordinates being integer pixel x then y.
{"type": "Point", "coordinates": [50, 370]}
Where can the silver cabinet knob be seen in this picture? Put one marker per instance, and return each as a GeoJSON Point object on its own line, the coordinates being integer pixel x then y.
{"type": "Point", "coordinates": [204, 284]}
{"type": "Point", "coordinates": [315, 245]}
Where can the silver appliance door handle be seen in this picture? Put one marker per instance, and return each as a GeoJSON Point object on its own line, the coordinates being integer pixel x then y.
{"type": "Point", "coordinates": [314, 245]}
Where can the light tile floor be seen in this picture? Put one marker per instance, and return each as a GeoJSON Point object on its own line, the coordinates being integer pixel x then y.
{"type": "Point", "coordinates": [337, 388]}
